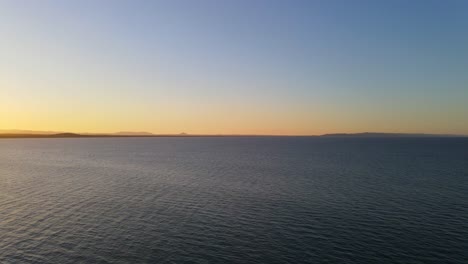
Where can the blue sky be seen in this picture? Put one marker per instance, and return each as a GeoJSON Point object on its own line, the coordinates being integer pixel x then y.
{"type": "Point", "coordinates": [268, 67]}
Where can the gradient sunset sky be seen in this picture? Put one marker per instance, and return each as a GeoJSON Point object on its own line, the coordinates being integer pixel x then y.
{"type": "Point", "coordinates": [234, 66]}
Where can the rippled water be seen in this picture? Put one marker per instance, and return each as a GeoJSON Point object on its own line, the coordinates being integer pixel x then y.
{"type": "Point", "coordinates": [234, 200]}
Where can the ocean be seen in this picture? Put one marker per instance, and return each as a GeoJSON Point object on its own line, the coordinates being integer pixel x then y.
{"type": "Point", "coordinates": [234, 200]}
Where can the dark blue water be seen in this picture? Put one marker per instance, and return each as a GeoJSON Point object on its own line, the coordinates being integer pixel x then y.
{"type": "Point", "coordinates": [234, 200]}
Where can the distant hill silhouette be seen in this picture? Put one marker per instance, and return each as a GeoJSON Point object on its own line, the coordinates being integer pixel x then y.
{"type": "Point", "coordinates": [28, 133]}
{"type": "Point", "coordinates": [67, 135]}
{"type": "Point", "coordinates": [131, 133]}
{"type": "Point", "coordinates": [384, 135]}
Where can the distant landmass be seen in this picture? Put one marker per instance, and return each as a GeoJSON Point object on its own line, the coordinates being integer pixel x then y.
{"type": "Point", "coordinates": [38, 135]}
{"type": "Point", "coordinates": [66, 135]}
{"type": "Point", "coordinates": [51, 134]}
{"type": "Point", "coordinates": [130, 133]}
{"type": "Point", "coordinates": [36, 132]}
{"type": "Point", "coordinates": [377, 134]}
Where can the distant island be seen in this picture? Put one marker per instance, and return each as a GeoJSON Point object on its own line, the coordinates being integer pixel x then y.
{"type": "Point", "coordinates": [48, 134]}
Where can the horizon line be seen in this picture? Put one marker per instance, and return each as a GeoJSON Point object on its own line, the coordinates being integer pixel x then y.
{"type": "Point", "coordinates": [52, 134]}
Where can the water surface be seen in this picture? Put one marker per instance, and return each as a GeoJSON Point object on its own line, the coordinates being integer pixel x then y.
{"type": "Point", "coordinates": [234, 200]}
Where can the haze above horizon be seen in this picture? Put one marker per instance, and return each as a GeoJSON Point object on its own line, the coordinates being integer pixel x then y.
{"type": "Point", "coordinates": [234, 67]}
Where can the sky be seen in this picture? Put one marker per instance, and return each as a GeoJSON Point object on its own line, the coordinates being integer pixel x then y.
{"type": "Point", "coordinates": [234, 66]}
